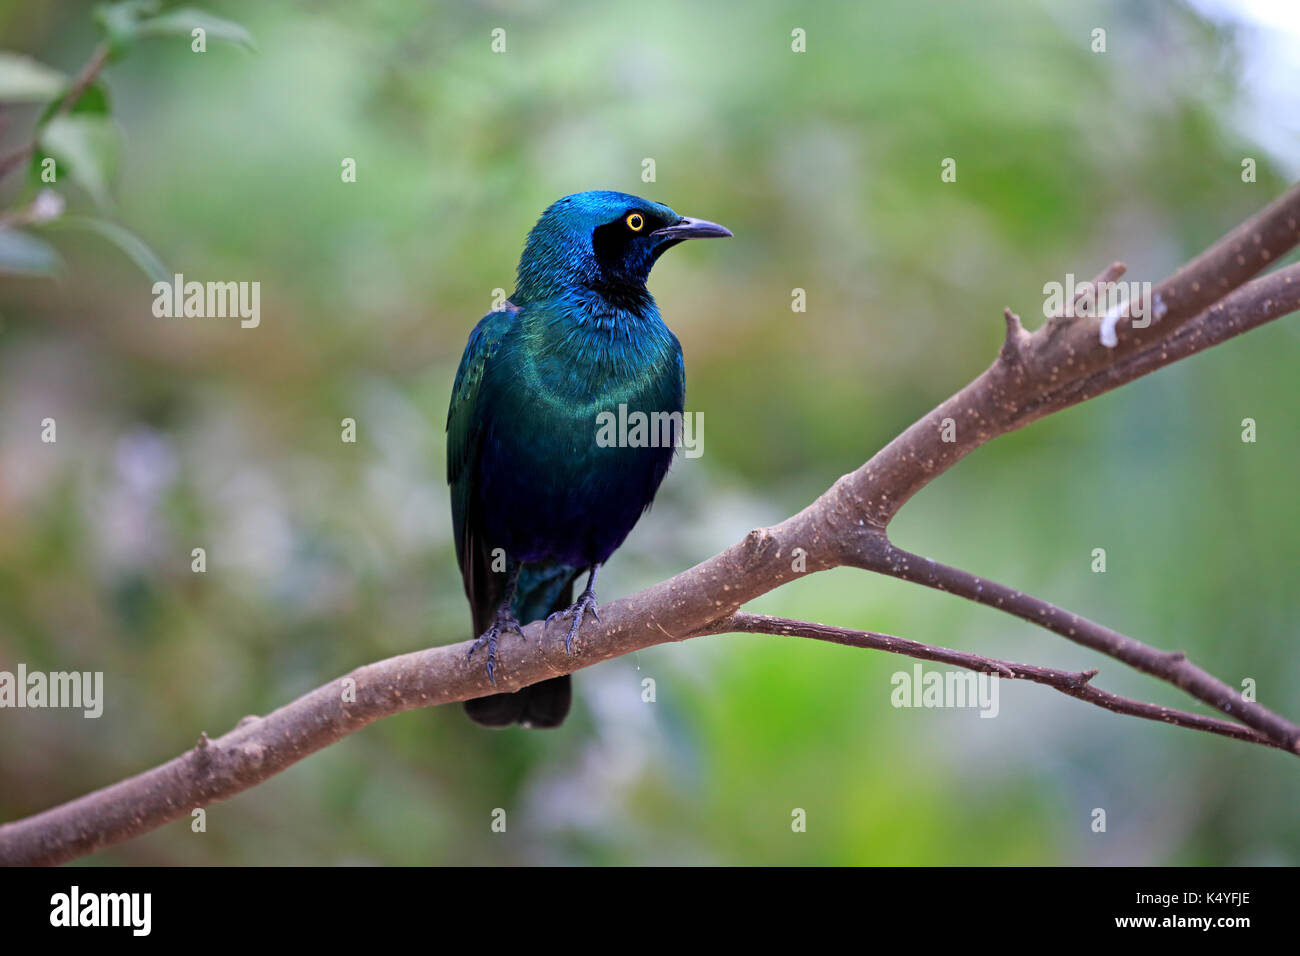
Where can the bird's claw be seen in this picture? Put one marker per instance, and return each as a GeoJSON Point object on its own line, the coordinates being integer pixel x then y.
{"type": "Point", "coordinates": [505, 621]}
{"type": "Point", "coordinates": [585, 603]}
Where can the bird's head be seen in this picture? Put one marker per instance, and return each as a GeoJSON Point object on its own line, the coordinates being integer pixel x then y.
{"type": "Point", "coordinates": [604, 241]}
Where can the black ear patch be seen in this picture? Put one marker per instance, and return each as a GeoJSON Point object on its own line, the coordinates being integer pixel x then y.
{"type": "Point", "coordinates": [623, 270]}
{"type": "Point", "coordinates": [609, 242]}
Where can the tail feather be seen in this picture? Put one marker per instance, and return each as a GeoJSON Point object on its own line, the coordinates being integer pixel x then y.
{"type": "Point", "coordinates": [539, 706]}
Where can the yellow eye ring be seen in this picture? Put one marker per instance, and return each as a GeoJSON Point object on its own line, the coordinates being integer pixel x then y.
{"type": "Point", "coordinates": [635, 222]}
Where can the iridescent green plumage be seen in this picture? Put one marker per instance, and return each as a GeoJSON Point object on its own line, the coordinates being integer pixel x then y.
{"type": "Point", "coordinates": [536, 498]}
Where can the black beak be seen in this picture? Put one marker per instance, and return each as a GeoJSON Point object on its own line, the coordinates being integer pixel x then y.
{"type": "Point", "coordinates": [689, 228]}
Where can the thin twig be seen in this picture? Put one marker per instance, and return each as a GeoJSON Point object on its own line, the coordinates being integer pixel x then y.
{"type": "Point", "coordinates": [1077, 684]}
{"type": "Point", "coordinates": [76, 89]}
{"type": "Point", "coordinates": [1170, 666]}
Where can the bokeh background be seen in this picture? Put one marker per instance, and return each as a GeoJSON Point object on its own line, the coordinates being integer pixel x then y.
{"type": "Point", "coordinates": [184, 433]}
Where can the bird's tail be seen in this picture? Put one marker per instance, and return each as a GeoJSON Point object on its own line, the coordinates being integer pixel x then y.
{"type": "Point", "coordinates": [541, 591]}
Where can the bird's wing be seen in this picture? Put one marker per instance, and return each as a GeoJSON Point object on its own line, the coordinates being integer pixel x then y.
{"type": "Point", "coordinates": [546, 703]}
{"type": "Point", "coordinates": [466, 418]}
{"type": "Point", "coordinates": [463, 420]}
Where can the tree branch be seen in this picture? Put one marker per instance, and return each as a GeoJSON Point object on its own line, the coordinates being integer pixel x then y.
{"type": "Point", "coordinates": [1170, 666]}
{"type": "Point", "coordinates": [1059, 365]}
{"type": "Point", "coordinates": [1076, 684]}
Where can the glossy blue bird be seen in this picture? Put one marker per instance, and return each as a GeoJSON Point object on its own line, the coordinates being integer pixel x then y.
{"type": "Point", "coordinates": [539, 492]}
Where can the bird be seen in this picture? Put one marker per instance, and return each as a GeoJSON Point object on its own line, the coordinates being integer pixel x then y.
{"type": "Point", "coordinates": [538, 496]}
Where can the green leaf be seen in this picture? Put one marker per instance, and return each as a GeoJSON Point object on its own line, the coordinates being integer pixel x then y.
{"type": "Point", "coordinates": [93, 99]}
{"type": "Point", "coordinates": [119, 23]}
{"type": "Point", "coordinates": [184, 20]}
{"type": "Point", "coordinates": [24, 254]}
{"type": "Point", "coordinates": [131, 244]}
{"type": "Point", "coordinates": [24, 80]}
{"type": "Point", "coordinates": [85, 148]}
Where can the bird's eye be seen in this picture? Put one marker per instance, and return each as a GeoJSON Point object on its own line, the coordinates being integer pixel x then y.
{"type": "Point", "coordinates": [635, 221]}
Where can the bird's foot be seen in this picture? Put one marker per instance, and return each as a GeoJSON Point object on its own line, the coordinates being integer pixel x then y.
{"type": "Point", "coordinates": [586, 602]}
{"type": "Point", "coordinates": [505, 622]}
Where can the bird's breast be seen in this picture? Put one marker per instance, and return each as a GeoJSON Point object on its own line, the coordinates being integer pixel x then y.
{"type": "Point", "coordinates": [578, 441]}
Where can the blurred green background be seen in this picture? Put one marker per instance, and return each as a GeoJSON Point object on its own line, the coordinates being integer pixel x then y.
{"type": "Point", "coordinates": [183, 433]}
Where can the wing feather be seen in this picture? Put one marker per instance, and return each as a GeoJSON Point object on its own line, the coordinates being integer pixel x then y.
{"type": "Point", "coordinates": [467, 417]}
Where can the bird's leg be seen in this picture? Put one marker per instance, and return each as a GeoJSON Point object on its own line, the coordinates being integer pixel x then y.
{"type": "Point", "coordinates": [505, 621]}
{"type": "Point", "coordinates": [586, 602]}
